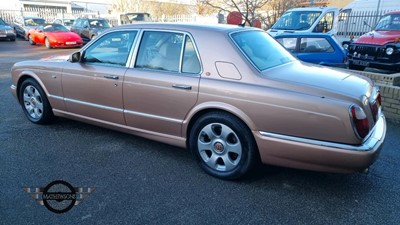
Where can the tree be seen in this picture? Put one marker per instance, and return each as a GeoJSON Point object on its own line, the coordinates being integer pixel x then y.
{"type": "Point", "coordinates": [247, 8]}
{"type": "Point", "coordinates": [126, 5]}
{"type": "Point", "coordinates": [154, 7]}
{"type": "Point", "coordinates": [275, 8]}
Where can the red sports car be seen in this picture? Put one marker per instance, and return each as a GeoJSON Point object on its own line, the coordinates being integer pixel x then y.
{"type": "Point", "coordinates": [54, 36]}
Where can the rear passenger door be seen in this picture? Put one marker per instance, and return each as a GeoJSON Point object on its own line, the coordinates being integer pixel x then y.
{"type": "Point", "coordinates": [163, 83]}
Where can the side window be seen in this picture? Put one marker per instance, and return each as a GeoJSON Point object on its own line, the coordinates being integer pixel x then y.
{"type": "Point", "coordinates": [160, 51]}
{"type": "Point", "coordinates": [191, 63]}
{"type": "Point", "coordinates": [85, 23]}
{"type": "Point", "coordinates": [325, 24]}
{"type": "Point", "coordinates": [77, 22]}
{"type": "Point", "coordinates": [315, 45]}
{"type": "Point", "coordinates": [288, 43]}
{"type": "Point", "coordinates": [111, 49]}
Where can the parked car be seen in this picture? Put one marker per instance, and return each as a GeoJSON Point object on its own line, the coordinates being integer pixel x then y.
{"type": "Point", "coordinates": [88, 28]}
{"type": "Point", "coordinates": [67, 22]}
{"type": "Point", "coordinates": [22, 25]}
{"type": "Point", "coordinates": [379, 48]}
{"type": "Point", "coordinates": [6, 32]}
{"type": "Point", "coordinates": [322, 19]}
{"type": "Point", "coordinates": [54, 36]}
{"type": "Point", "coordinates": [133, 17]}
{"type": "Point", "coordinates": [318, 48]}
{"type": "Point", "coordinates": [232, 101]}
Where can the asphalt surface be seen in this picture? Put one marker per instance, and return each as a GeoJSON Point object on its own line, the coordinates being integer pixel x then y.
{"type": "Point", "coordinates": [138, 181]}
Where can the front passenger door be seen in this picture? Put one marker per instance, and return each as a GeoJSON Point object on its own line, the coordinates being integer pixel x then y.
{"type": "Point", "coordinates": [93, 87]}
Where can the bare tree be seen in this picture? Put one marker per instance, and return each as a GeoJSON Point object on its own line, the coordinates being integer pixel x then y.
{"type": "Point", "coordinates": [275, 8]}
{"type": "Point", "coordinates": [204, 9]}
{"type": "Point", "coordinates": [154, 7]}
{"type": "Point", "coordinates": [126, 5]}
{"type": "Point", "coordinates": [248, 8]}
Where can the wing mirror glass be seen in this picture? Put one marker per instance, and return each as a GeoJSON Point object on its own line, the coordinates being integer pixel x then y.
{"type": "Point", "coordinates": [75, 57]}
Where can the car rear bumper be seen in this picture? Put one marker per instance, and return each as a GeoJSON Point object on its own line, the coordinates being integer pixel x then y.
{"type": "Point", "coordinates": [301, 153]}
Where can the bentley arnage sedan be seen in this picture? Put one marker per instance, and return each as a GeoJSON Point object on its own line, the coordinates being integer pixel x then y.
{"type": "Point", "coordinates": [232, 95]}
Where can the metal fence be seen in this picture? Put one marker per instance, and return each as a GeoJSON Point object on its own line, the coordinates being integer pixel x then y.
{"type": "Point", "coordinates": [351, 23]}
{"type": "Point", "coordinates": [49, 14]}
{"type": "Point", "coordinates": [358, 23]}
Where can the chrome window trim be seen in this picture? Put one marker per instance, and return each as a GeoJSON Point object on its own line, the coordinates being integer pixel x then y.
{"type": "Point", "coordinates": [136, 51]}
{"type": "Point", "coordinates": [131, 51]}
{"type": "Point", "coordinates": [376, 137]}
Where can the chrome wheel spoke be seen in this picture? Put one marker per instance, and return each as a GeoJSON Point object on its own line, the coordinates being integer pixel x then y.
{"type": "Point", "coordinates": [234, 148]}
{"type": "Point", "coordinates": [228, 163]}
{"type": "Point", "coordinates": [225, 132]}
{"type": "Point", "coordinates": [203, 145]}
{"type": "Point", "coordinates": [209, 132]}
{"type": "Point", "coordinates": [212, 161]}
{"type": "Point", "coordinates": [26, 98]}
{"type": "Point", "coordinates": [37, 113]}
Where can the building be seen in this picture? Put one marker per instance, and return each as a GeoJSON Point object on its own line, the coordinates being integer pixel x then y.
{"type": "Point", "coordinates": [100, 6]}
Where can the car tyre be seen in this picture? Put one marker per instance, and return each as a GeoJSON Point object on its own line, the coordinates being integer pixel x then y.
{"type": "Point", "coordinates": [356, 67]}
{"type": "Point", "coordinates": [47, 43]}
{"type": "Point", "coordinates": [34, 102]}
{"type": "Point", "coordinates": [31, 41]}
{"type": "Point", "coordinates": [223, 145]}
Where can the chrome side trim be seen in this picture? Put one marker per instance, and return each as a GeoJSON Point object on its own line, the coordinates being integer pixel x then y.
{"type": "Point", "coordinates": [374, 141]}
{"type": "Point", "coordinates": [93, 105]}
{"type": "Point", "coordinates": [56, 97]}
{"type": "Point", "coordinates": [153, 116]}
{"type": "Point", "coordinates": [13, 87]}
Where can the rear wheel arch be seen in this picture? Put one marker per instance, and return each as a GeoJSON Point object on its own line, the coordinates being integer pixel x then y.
{"type": "Point", "coordinates": [238, 114]}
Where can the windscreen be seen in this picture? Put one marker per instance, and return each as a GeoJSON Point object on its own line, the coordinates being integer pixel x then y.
{"type": "Point", "coordinates": [389, 22]}
{"type": "Point", "coordinates": [296, 20]}
{"type": "Point", "coordinates": [34, 22]}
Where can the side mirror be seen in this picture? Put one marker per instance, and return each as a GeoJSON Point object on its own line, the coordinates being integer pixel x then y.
{"type": "Point", "coordinates": [75, 57]}
{"type": "Point", "coordinates": [86, 26]}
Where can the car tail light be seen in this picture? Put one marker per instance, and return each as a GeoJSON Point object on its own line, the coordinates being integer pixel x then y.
{"type": "Point", "coordinates": [360, 121]}
{"type": "Point", "coordinates": [376, 105]}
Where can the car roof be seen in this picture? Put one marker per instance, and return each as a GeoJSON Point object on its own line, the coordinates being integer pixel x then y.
{"type": "Point", "coordinates": [312, 9]}
{"type": "Point", "coordinates": [33, 17]}
{"type": "Point", "coordinates": [304, 34]}
{"type": "Point", "coordinates": [393, 12]}
{"type": "Point", "coordinates": [186, 27]}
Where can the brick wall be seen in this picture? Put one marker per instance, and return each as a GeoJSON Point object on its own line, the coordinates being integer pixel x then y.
{"type": "Point", "coordinates": [390, 101]}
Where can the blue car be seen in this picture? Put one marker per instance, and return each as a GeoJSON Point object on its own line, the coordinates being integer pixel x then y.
{"type": "Point", "coordinates": [318, 48]}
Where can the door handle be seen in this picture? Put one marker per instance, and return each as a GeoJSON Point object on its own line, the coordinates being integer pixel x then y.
{"type": "Point", "coordinates": [180, 86]}
{"type": "Point", "coordinates": [111, 77]}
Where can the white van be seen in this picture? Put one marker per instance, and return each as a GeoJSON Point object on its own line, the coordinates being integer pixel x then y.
{"type": "Point", "coordinates": [307, 19]}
